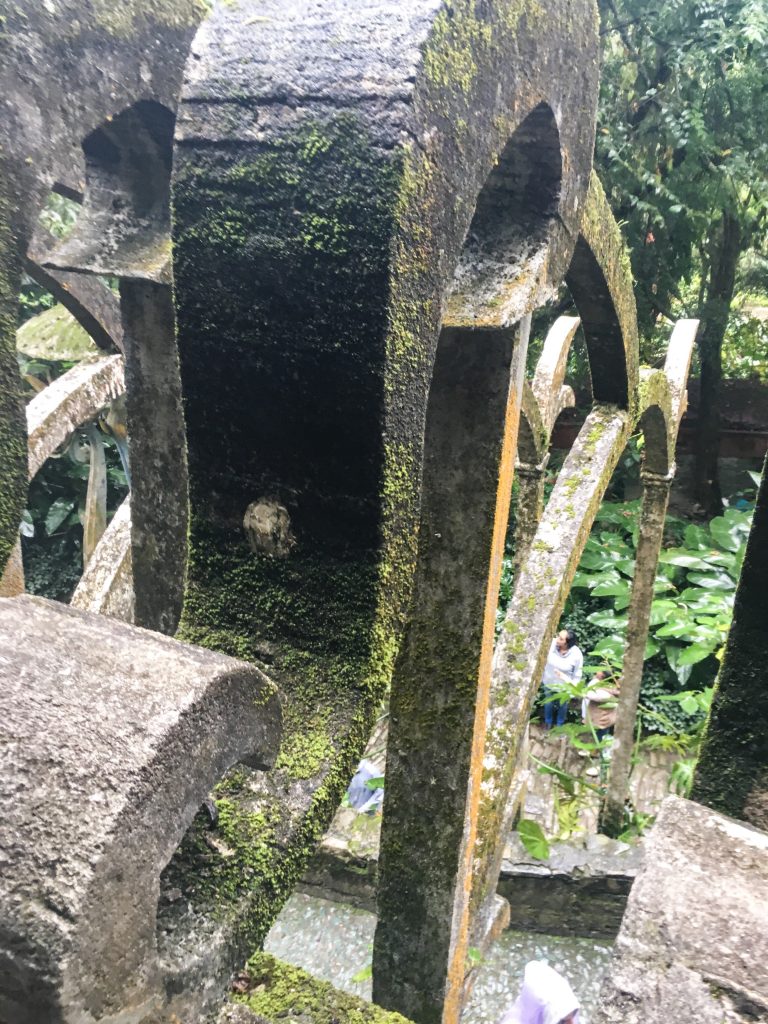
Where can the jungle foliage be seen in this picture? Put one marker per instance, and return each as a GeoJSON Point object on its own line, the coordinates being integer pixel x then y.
{"type": "Point", "coordinates": [683, 154]}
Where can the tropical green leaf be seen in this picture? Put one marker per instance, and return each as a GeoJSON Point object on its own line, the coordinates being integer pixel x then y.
{"type": "Point", "coordinates": [57, 513]}
{"type": "Point", "coordinates": [533, 839]}
{"type": "Point", "coordinates": [724, 535]}
{"type": "Point", "coordinates": [693, 654]}
{"type": "Point", "coordinates": [618, 588]}
{"type": "Point", "coordinates": [696, 538]}
{"type": "Point", "coordinates": [711, 582]}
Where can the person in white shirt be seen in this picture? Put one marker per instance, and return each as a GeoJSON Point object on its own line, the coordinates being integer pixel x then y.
{"type": "Point", "coordinates": [564, 664]}
{"type": "Point", "coordinates": [545, 998]}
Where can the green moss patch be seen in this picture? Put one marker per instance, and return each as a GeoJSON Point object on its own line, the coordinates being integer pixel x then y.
{"type": "Point", "coordinates": [278, 991]}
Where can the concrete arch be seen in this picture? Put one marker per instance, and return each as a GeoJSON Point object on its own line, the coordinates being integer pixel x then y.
{"type": "Point", "coordinates": [133, 762]}
{"type": "Point", "coordinates": [147, 44]}
{"type": "Point", "coordinates": [89, 300]}
{"type": "Point", "coordinates": [501, 273]}
{"type": "Point", "coordinates": [545, 397]}
{"type": "Point", "coordinates": [124, 225]}
{"type": "Point", "coordinates": [76, 397]}
{"type": "Point", "coordinates": [662, 400]}
{"type": "Point", "coordinates": [600, 282]}
{"type": "Point", "coordinates": [124, 229]}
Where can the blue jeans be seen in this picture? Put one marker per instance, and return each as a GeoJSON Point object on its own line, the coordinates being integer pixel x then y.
{"type": "Point", "coordinates": [554, 711]}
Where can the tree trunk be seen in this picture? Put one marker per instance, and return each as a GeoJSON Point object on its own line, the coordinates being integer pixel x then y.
{"type": "Point", "coordinates": [726, 249]}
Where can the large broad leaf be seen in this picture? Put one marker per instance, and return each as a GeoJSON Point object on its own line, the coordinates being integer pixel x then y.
{"type": "Point", "coordinates": [627, 566]}
{"type": "Point", "coordinates": [661, 611]}
{"type": "Point", "coordinates": [689, 704]}
{"type": "Point", "coordinates": [608, 620]}
{"type": "Point", "coordinates": [712, 581]}
{"type": "Point", "coordinates": [724, 559]}
{"type": "Point", "coordinates": [677, 556]}
{"type": "Point", "coordinates": [610, 646]}
{"type": "Point", "coordinates": [611, 588]}
{"type": "Point", "coordinates": [696, 538]}
{"type": "Point", "coordinates": [725, 535]}
{"type": "Point", "coordinates": [651, 648]}
{"type": "Point", "coordinates": [683, 673]}
{"type": "Point", "coordinates": [27, 527]}
{"type": "Point", "coordinates": [679, 629]}
{"type": "Point", "coordinates": [533, 839]}
{"type": "Point", "coordinates": [694, 654]}
{"type": "Point", "coordinates": [592, 563]}
{"type": "Point", "coordinates": [57, 513]}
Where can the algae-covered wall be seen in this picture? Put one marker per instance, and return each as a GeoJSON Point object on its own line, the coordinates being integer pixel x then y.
{"type": "Point", "coordinates": [328, 162]}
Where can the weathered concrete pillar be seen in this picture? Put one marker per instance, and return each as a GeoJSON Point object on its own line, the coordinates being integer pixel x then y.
{"type": "Point", "coordinates": [732, 773]}
{"type": "Point", "coordinates": [530, 622]}
{"type": "Point", "coordinates": [530, 503]}
{"type": "Point", "coordinates": [440, 688]}
{"type": "Point", "coordinates": [112, 737]}
{"type": "Point", "coordinates": [160, 505]}
{"type": "Point", "coordinates": [652, 514]}
{"type": "Point", "coordinates": [662, 401]}
{"type": "Point", "coordinates": [12, 577]}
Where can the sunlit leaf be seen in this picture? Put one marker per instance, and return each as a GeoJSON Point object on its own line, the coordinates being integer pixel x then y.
{"type": "Point", "coordinates": [533, 839]}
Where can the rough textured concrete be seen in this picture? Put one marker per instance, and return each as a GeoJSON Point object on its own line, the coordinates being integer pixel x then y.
{"type": "Point", "coordinates": [146, 42]}
{"type": "Point", "coordinates": [159, 499]}
{"type": "Point", "coordinates": [530, 622]}
{"type": "Point", "coordinates": [71, 400]}
{"type": "Point", "coordinates": [112, 737]}
{"type": "Point", "coordinates": [580, 890]}
{"type": "Point", "coordinates": [269, 990]}
{"type": "Point", "coordinates": [732, 773]}
{"type": "Point", "coordinates": [693, 944]}
{"type": "Point", "coordinates": [329, 163]}
{"type": "Point", "coordinates": [94, 305]}
{"type": "Point", "coordinates": [543, 401]}
{"type": "Point", "coordinates": [106, 586]}
{"type": "Point", "coordinates": [443, 671]}
{"type": "Point", "coordinates": [661, 406]}
{"type": "Point", "coordinates": [600, 281]}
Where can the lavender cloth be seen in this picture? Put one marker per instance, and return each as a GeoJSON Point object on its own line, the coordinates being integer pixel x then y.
{"type": "Point", "coordinates": [545, 998]}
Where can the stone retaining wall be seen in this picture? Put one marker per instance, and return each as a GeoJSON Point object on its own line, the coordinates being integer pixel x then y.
{"type": "Point", "coordinates": [581, 890]}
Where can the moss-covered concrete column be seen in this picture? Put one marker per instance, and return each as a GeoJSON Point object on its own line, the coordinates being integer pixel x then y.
{"type": "Point", "coordinates": [652, 515]}
{"type": "Point", "coordinates": [158, 453]}
{"type": "Point", "coordinates": [732, 773]}
{"type": "Point", "coordinates": [530, 503]}
{"type": "Point", "coordinates": [532, 616]}
{"type": "Point", "coordinates": [440, 689]}
{"type": "Point", "coordinates": [13, 426]}
{"type": "Point", "coordinates": [329, 166]}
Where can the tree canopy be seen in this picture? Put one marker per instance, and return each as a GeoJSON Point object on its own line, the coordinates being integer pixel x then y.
{"type": "Point", "coordinates": [683, 152]}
